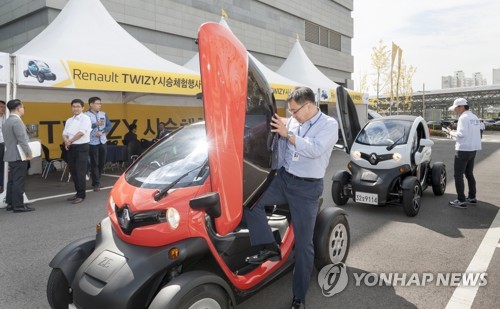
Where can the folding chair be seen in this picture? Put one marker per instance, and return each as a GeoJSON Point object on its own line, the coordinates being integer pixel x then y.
{"type": "Point", "coordinates": [49, 163]}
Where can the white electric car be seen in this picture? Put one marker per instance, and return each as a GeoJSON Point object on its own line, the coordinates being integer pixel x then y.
{"type": "Point", "coordinates": [390, 160]}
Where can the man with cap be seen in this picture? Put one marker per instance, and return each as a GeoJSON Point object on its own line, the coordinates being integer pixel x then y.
{"type": "Point", "coordinates": [468, 142]}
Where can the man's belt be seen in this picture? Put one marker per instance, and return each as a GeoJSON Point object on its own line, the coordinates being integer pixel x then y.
{"type": "Point", "coordinates": [301, 178]}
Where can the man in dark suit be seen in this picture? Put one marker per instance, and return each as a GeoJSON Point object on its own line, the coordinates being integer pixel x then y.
{"type": "Point", "coordinates": [14, 133]}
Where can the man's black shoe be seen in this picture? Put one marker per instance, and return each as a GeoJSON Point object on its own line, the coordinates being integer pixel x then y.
{"type": "Point", "coordinates": [9, 208]}
{"type": "Point", "coordinates": [298, 304]}
{"type": "Point", "coordinates": [70, 199]}
{"type": "Point", "coordinates": [23, 209]}
{"type": "Point", "coordinates": [264, 255]}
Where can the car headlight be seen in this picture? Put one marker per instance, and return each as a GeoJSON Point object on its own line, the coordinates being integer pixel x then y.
{"type": "Point", "coordinates": [173, 217]}
{"type": "Point", "coordinates": [356, 155]}
{"type": "Point", "coordinates": [396, 156]}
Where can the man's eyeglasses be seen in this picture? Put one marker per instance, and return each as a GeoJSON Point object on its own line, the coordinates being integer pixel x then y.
{"type": "Point", "coordinates": [293, 112]}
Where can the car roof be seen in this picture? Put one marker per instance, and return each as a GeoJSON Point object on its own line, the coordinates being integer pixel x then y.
{"type": "Point", "coordinates": [396, 117]}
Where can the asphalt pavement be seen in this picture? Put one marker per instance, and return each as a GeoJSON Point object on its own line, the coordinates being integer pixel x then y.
{"type": "Point", "coordinates": [439, 240]}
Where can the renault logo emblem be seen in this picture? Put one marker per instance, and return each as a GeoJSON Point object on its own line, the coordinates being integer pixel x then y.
{"type": "Point", "coordinates": [373, 159]}
{"type": "Point", "coordinates": [124, 218]}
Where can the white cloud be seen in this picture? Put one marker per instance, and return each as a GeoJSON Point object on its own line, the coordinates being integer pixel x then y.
{"type": "Point", "coordinates": [438, 37]}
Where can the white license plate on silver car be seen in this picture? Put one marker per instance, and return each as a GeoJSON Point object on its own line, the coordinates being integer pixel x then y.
{"type": "Point", "coordinates": [366, 198]}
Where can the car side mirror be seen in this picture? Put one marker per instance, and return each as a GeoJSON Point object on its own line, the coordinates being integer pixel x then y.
{"type": "Point", "coordinates": [423, 143]}
{"type": "Point", "coordinates": [426, 142]}
{"type": "Point", "coordinates": [209, 202]}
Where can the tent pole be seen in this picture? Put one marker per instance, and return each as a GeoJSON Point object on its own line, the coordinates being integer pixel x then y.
{"type": "Point", "coordinates": [8, 97]}
{"type": "Point", "coordinates": [318, 97]}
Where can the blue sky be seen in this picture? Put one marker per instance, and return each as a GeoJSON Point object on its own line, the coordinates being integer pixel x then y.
{"type": "Point", "coordinates": [438, 37]}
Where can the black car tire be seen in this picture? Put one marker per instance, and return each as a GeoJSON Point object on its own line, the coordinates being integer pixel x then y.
{"type": "Point", "coordinates": [332, 247]}
{"type": "Point", "coordinates": [339, 184]}
{"type": "Point", "coordinates": [210, 296]}
{"type": "Point", "coordinates": [26, 73]}
{"type": "Point", "coordinates": [58, 290]}
{"type": "Point", "coordinates": [438, 176]}
{"type": "Point", "coordinates": [412, 196]}
{"type": "Point", "coordinates": [40, 77]}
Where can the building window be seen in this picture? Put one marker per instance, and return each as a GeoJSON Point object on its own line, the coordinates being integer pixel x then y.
{"type": "Point", "coordinates": [322, 36]}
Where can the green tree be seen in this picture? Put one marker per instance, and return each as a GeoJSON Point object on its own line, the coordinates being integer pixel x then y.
{"type": "Point", "coordinates": [380, 61]}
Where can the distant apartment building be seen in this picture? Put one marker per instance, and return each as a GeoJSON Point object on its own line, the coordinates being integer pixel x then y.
{"type": "Point", "coordinates": [479, 80]}
{"type": "Point", "coordinates": [459, 80]}
{"type": "Point", "coordinates": [496, 76]}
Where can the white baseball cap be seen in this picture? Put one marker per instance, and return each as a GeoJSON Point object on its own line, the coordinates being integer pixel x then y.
{"type": "Point", "coordinates": [458, 102]}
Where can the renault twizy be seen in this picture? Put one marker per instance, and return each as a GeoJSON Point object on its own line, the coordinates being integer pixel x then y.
{"type": "Point", "coordinates": [39, 70]}
{"type": "Point", "coordinates": [390, 160]}
{"type": "Point", "coordinates": [173, 237]}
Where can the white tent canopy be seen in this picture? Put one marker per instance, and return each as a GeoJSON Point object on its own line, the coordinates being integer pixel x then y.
{"type": "Point", "coordinates": [271, 76]}
{"type": "Point", "coordinates": [86, 48]}
{"type": "Point", "coordinates": [299, 67]}
{"type": "Point", "coordinates": [85, 31]}
{"type": "Point", "coordinates": [280, 84]}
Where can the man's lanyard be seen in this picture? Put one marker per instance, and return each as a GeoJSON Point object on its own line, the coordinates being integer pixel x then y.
{"type": "Point", "coordinates": [298, 132]}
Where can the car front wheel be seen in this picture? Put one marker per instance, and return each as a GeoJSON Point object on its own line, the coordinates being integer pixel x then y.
{"type": "Point", "coordinates": [340, 186]}
{"type": "Point", "coordinates": [412, 196]}
{"type": "Point", "coordinates": [59, 293]}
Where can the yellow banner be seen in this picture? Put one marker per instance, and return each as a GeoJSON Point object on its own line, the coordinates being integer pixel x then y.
{"type": "Point", "coordinates": [281, 91]}
{"type": "Point", "coordinates": [113, 78]}
{"type": "Point", "coordinates": [50, 118]}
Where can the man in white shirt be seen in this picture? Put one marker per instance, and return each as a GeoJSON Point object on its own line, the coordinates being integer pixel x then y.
{"type": "Point", "coordinates": [76, 137]}
{"type": "Point", "coordinates": [468, 142]}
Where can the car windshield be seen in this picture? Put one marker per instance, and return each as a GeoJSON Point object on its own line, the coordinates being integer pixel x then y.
{"type": "Point", "coordinates": [183, 152]}
{"type": "Point", "coordinates": [385, 132]}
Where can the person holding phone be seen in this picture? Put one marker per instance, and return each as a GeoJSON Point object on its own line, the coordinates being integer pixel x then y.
{"type": "Point", "coordinates": [98, 149]}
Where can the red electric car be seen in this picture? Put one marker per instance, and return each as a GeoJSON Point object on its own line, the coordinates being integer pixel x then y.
{"type": "Point", "coordinates": [174, 236]}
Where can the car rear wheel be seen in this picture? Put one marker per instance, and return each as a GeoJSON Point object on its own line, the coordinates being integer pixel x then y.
{"type": "Point", "coordinates": [340, 187]}
{"type": "Point", "coordinates": [206, 296]}
{"type": "Point", "coordinates": [59, 293]}
{"type": "Point", "coordinates": [333, 246]}
{"type": "Point", "coordinates": [412, 196]}
{"type": "Point", "coordinates": [438, 175]}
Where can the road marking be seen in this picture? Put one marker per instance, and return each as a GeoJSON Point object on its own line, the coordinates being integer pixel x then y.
{"type": "Point", "coordinates": [111, 175]}
{"type": "Point", "coordinates": [463, 297]}
{"type": "Point", "coordinates": [62, 195]}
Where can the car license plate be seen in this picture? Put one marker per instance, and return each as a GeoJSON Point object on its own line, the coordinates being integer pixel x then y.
{"type": "Point", "coordinates": [367, 198]}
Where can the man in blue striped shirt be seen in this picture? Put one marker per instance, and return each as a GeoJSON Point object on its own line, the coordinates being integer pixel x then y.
{"type": "Point", "coordinates": [306, 140]}
{"type": "Point", "coordinates": [98, 150]}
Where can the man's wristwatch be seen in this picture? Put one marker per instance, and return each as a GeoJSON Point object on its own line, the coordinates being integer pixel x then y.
{"type": "Point", "coordinates": [289, 135]}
